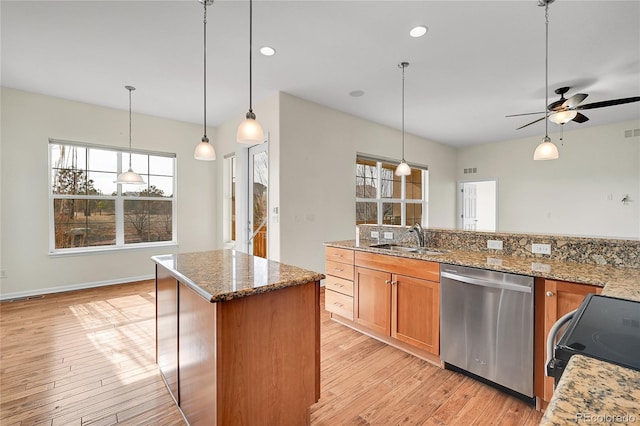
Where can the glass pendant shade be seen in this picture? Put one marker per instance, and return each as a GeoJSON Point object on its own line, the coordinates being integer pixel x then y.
{"type": "Point", "coordinates": [250, 132]}
{"type": "Point", "coordinates": [403, 169]}
{"type": "Point", "coordinates": [130, 178]}
{"type": "Point", "coordinates": [563, 117]}
{"type": "Point", "coordinates": [204, 151]}
{"type": "Point", "coordinates": [546, 150]}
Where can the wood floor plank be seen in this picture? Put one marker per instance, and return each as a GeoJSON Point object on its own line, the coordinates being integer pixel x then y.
{"type": "Point", "coordinates": [88, 358]}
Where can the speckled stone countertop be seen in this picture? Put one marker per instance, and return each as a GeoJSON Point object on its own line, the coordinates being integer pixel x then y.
{"type": "Point", "coordinates": [617, 281]}
{"type": "Point", "coordinates": [590, 391]}
{"type": "Point", "coordinates": [221, 275]}
{"type": "Point", "coordinates": [595, 392]}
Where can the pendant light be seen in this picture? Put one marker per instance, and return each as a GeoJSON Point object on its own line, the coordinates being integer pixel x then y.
{"type": "Point", "coordinates": [250, 131]}
{"type": "Point", "coordinates": [130, 177]}
{"type": "Point", "coordinates": [204, 150]}
{"type": "Point", "coordinates": [403, 168]}
{"type": "Point", "coordinates": [546, 150]}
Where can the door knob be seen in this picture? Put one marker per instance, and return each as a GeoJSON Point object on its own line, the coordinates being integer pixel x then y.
{"type": "Point", "coordinates": [549, 293]}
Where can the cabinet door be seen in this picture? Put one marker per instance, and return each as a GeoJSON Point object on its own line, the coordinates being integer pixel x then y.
{"type": "Point", "coordinates": [415, 312]}
{"type": "Point", "coordinates": [373, 300]}
{"type": "Point", "coordinates": [560, 299]}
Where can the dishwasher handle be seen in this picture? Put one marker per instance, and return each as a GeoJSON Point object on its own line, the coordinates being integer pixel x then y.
{"type": "Point", "coordinates": [486, 282]}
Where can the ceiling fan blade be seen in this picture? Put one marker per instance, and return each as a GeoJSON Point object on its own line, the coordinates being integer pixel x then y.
{"type": "Point", "coordinates": [574, 100]}
{"type": "Point", "coordinates": [526, 113]}
{"type": "Point", "coordinates": [557, 105]}
{"type": "Point", "coordinates": [580, 118]}
{"type": "Point", "coordinates": [529, 124]}
{"type": "Point", "coordinates": [611, 102]}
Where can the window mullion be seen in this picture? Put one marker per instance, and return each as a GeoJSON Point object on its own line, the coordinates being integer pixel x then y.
{"type": "Point", "coordinates": [379, 192]}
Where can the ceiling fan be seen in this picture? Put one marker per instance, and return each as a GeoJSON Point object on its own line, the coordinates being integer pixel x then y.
{"type": "Point", "coordinates": [566, 109]}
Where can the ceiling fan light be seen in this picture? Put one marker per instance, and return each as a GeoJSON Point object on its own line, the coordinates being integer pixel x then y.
{"type": "Point", "coordinates": [204, 151]}
{"type": "Point", "coordinates": [403, 169]}
{"type": "Point", "coordinates": [250, 132]}
{"type": "Point", "coordinates": [563, 117]}
{"type": "Point", "coordinates": [546, 150]}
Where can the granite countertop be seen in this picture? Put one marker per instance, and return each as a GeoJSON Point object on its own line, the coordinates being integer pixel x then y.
{"type": "Point", "coordinates": [590, 390]}
{"type": "Point", "coordinates": [596, 392]}
{"type": "Point", "coordinates": [221, 275]}
{"type": "Point", "coordinates": [617, 281]}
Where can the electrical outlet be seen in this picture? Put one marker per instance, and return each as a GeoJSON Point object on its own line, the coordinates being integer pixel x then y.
{"type": "Point", "coordinates": [541, 248]}
{"type": "Point", "coordinates": [375, 235]}
{"type": "Point", "coordinates": [388, 235]}
{"type": "Point", "coordinates": [494, 244]}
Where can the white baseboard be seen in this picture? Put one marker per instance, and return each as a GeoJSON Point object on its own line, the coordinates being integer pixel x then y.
{"type": "Point", "coordinates": [42, 291]}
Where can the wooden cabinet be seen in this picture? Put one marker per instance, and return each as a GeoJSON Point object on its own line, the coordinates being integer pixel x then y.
{"type": "Point", "coordinates": [339, 282]}
{"type": "Point", "coordinates": [373, 300]}
{"type": "Point", "coordinates": [553, 300]}
{"type": "Point", "coordinates": [389, 301]}
{"type": "Point", "coordinates": [415, 317]}
{"type": "Point", "coordinates": [251, 360]}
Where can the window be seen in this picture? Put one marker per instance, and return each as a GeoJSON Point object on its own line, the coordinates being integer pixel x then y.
{"type": "Point", "coordinates": [229, 202]}
{"type": "Point", "coordinates": [90, 211]}
{"type": "Point", "coordinates": [383, 198]}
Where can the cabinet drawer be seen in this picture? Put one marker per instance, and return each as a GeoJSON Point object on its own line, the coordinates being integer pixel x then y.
{"type": "Point", "coordinates": [340, 255]}
{"type": "Point", "coordinates": [340, 270]}
{"type": "Point", "coordinates": [339, 285]}
{"type": "Point", "coordinates": [399, 265]}
{"type": "Point", "coordinates": [338, 304]}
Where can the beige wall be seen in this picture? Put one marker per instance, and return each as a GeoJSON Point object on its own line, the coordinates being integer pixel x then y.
{"type": "Point", "coordinates": [318, 148]}
{"type": "Point", "coordinates": [28, 121]}
{"type": "Point", "coordinates": [578, 194]}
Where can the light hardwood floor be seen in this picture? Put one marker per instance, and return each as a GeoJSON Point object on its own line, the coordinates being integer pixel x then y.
{"type": "Point", "coordinates": [87, 357]}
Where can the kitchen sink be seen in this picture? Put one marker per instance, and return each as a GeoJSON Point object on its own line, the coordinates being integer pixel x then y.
{"type": "Point", "coordinates": [407, 249]}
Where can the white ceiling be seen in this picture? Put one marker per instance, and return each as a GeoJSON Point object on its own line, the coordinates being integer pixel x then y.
{"type": "Point", "coordinates": [479, 61]}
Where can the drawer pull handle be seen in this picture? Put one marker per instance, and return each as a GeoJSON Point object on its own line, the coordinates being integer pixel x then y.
{"type": "Point", "coordinates": [338, 254]}
{"type": "Point", "coordinates": [387, 281]}
{"type": "Point", "coordinates": [338, 269]}
{"type": "Point", "coordinates": [339, 285]}
{"type": "Point", "coordinates": [339, 305]}
{"type": "Point", "coordinates": [549, 293]}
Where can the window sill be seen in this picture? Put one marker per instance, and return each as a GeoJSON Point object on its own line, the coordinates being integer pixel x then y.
{"type": "Point", "coordinates": [105, 250]}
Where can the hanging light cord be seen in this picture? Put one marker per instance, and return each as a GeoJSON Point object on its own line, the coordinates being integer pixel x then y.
{"type": "Point", "coordinates": [205, 71]}
{"type": "Point", "coordinates": [403, 65]}
{"type": "Point", "coordinates": [250, 58]}
{"type": "Point", "coordinates": [130, 89]}
{"type": "Point", "coordinates": [546, 71]}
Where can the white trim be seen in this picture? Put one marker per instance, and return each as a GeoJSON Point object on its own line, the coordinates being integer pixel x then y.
{"type": "Point", "coordinates": [61, 289]}
{"type": "Point", "coordinates": [109, 249]}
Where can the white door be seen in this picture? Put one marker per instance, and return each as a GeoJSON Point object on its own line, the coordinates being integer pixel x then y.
{"type": "Point", "coordinates": [258, 200]}
{"type": "Point", "coordinates": [469, 207]}
{"type": "Point", "coordinates": [478, 206]}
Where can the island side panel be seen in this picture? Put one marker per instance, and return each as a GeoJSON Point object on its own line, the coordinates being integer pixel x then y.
{"type": "Point", "coordinates": [197, 357]}
{"type": "Point", "coordinates": [167, 328]}
{"type": "Point", "coordinates": [268, 368]}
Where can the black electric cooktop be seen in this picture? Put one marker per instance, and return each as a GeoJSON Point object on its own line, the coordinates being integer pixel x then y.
{"type": "Point", "coordinates": [605, 328]}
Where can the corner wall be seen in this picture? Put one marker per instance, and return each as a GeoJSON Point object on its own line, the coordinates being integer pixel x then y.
{"type": "Point", "coordinates": [28, 121]}
{"type": "Point", "coordinates": [318, 147]}
{"type": "Point", "coordinates": [578, 194]}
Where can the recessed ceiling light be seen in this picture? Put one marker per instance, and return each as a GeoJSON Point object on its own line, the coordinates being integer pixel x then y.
{"type": "Point", "coordinates": [356, 93]}
{"type": "Point", "coordinates": [267, 51]}
{"type": "Point", "coordinates": [418, 31]}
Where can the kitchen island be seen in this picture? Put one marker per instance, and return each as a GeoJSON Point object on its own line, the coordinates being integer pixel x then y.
{"type": "Point", "coordinates": [238, 337]}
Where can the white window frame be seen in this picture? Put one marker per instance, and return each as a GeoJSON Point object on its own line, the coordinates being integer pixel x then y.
{"type": "Point", "coordinates": [403, 201]}
{"type": "Point", "coordinates": [119, 199]}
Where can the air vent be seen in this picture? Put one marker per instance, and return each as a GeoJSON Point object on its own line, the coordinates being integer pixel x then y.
{"type": "Point", "coordinates": [631, 133]}
{"type": "Point", "coordinates": [470, 170]}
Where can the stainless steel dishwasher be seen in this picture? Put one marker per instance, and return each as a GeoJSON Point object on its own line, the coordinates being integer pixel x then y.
{"type": "Point", "coordinates": [486, 325]}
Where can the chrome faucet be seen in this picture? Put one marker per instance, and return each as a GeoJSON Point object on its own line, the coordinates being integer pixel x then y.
{"type": "Point", "coordinates": [417, 228]}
